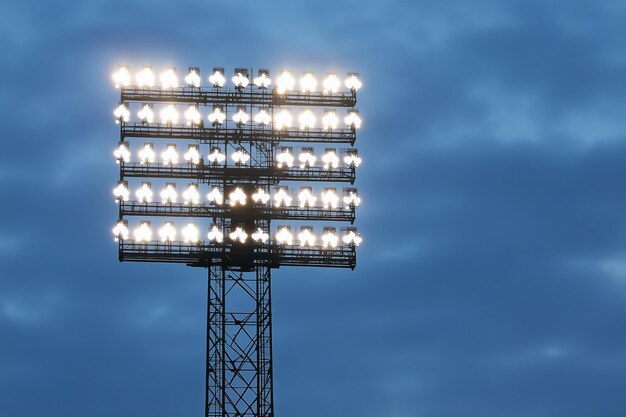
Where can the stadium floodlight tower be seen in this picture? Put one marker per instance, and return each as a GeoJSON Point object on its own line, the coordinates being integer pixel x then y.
{"type": "Point", "coordinates": [212, 168]}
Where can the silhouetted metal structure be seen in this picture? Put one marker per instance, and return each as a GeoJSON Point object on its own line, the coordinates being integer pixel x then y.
{"type": "Point", "coordinates": [239, 314]}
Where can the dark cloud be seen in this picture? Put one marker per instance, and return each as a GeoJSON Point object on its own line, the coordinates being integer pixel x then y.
{"type": "Point", "coordinates": [492, 278]}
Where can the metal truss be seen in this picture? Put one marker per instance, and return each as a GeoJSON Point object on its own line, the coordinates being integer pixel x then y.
{"type": "Point", "coordinates": [232, 255]}
{"type": "Point", "coordinates": [247, 134]}
{"type": "Point", "coordinates": [239, 349]}
{"type": "Point", "coordinates": [229, 97]}
{"type": "Point", "coordinates": [241, 174]}
{"type": "Point", "coordinates": [259, 211]}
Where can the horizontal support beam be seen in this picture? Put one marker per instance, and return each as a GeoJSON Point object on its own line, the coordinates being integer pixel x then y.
{"type": "Point", "coordinates": [244, 256]}
{"type": "Point", "coordinates": [257, 211]}
{"type": "Point", "coordinates": [224, 97]}
{"type": "Point", "coordinates": [246, 134]}
{"type": "Point", "coordinates": [240, 174]}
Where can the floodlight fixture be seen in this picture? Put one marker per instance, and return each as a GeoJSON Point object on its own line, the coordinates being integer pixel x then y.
{"type": "Point", "coordinates": [240, 156]}
{"type": "Point", "coordinates": [351, 198]}
{"type": "Point", "coordinates": [351, 237]}
{"type": "Point", "coordinates": [216, 157]}
{"type": "Point", "coordinates": [284, 235]}
{"type": "Point", "coordinates": [120, 231]}
{"type": "Point", "coordinates": [307, 158]}
{"type": "Point", "coordinates": [170, 155]}
{"type": "Point", "coordinates": [215, 196]}
{"type": "Point", "coordinates": [330, 120]}
{"type": "Point", "coordinates": [167, 232]}
{"type": "Point", "coordinates": [121, 192]}
{"type": "Point", "coordinates": [169, 194]}
{"type": "Point", "coordinates": [262, 117]}
{"type": "Point", "coordinates": [241, 117]}
{"type": "Point", "coordinates": [146, 154]}
{"type": "Point", "coordinates": [122, 152]}
{"type": "Point", "coordinates": [353, 120]}
{"type": "Point", "coordinates": [191, 195]}
{"type": "Point", "coordinates": [306, 119]}
{"type": "Point", "coordinates": [308, 83]}
{"type": "Point", "coordinates": [192, 155]}
{"type": "Point", "coordinates": [285, 158]}
{"type": "Point", "coordinates": [330, 158]}
{"type": "Point", "coordinates": [237, 197]}
{"type": "Point", "coordinates": [260, 236]}
{"type": "Point", "coordinates": [143, 233]}
{"type": "Point", "coordinates": [190, 233]}
{"type": "Point", "coordinates": [260, 196]}
{"type": "Point", "coordinates": [306, 236]}
{"type": "Point", "coordinates": [144, 193]}
{"type": "Point", "coordinates": [215, 234]}
{"type": "Point", "coordinates": [217, 117]}
{"type": "Point", "coordinates": [193, 115]}
{"type": "Point", "coordinates": [283, 119]}
{"type": "Point", "coordinates": [168, 78]}
{"type": "Point", "coordinates": [352, 158]}
{"type": "Point", "coordinates": [238, 235]}
{"type": "Point", "coordinates": [263, 80]}
{"type": "Point", "coordinates": [146, 114]}
{"type": "Point", "coordinates": [285, 82]}
{"type": "Point", "coordinates": [193, 77]}
{"type": "Point", "coordinates": [353, 82]}
{"type": "Point", "coordinates": [330, 199]}
{"type": "Point", "coordinates": [330, 238]}
{"type": "Point", "coordinates": [240, 79]}
{"type": "Point", "coordinates": [145, 77]}
{"type": "Point", "coordinates": [121, 113]}
{"type": "Point", "coordinates": [169, 115]}
{"type": "Point", "coordinates": [331, 83]}
{"type": "Point", "coordinates": [121, 77]}
{"type": "Point", "coordinates": [217, 78]}
{"type": "Point", "coordinates": [306, 197]}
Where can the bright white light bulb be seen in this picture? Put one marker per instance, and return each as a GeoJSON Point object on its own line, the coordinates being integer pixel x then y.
{"type": "Point", "coordinates": [330, 240]}
{"type": "Point", "coordinates": [352, 82]}
{"type": "Point", "coordinates": [193, 79]}
{"type": "Point", "coordinates": [121, 192]}
{"type": "Point", "coordinates": [283, 119]}
{"type": "Point", "coordinates": [352, 160]}
{"type": "Point", "coordinates": [241, 117]}
{"type": "Point", "coordinates": [190, 233]}
{"type": "Point", "coordinates": [240, 156]}
{"type": "Point", "coordinates": [168, 78]}
{"type": "Point", "coordinates": [122, 153]}
{"type": "Point", "coordinates": [260, 196]}
{"type": "Point", "coordinates": [217, 117]}
{"type": "Point", "coordinates": [260, 236]}
{"type": "Point", "coordinates": [330, 159]}
{"type": "Point", "coordinates": [191, 194]}
{"type": "Point", "coordinates": [352, 199]}
{"type": "Point", "coordinates": [215, 196]}
{"type": "Point", "coordinates": [143, 233]}
{"type": "Point", "coordinates": [169, 115]}
{"type": "Point", "coordinates": [169, 155]}
{"type": "Point", "coordinates": [306, 119]}
{"type": "Point", "coordinates": [193, 115]}
{"type": "Point", "coordinates": [240, 80]}
{"type": "Point", "coordinates": [167, 232]}
{"type": "Point", "coordinates": [353, 120]}
{"type": "Point", "coordinates": [263, 80]}
{"type": "Point", "coordinates": [285, 82]}
{"type": "Point", "coordinates": [306, 198]}
{"type": "Point", "coordinates": [306, 238]}
{"type": "Point", "coordinates": [262, 117]}
{"type": "Point", "coordinates": [215, 234]}
{"type": "Point", "coordinates": [330, 120]}
{"type": "Point", "coordinates": [284, 159]}
{"type": "Point", "coordinates": [217, 78]}
{"type": "Point", "coordinates": [237, 197]}
{"type": "Point", "coordinates": [216, 157]}
{"type": "Point", "coordinates": [306, 158]}
{"type": "Point", "coordinates": [284, 236]}
{"type": "Point", "coordinates": [121, 113]}
{"type": "Point", "coordinates": [144, 193]}
{"type": "Point", "coordinates": [145, 77]}
{"type": "Point", "coordinates": [281, 198]}
{"type": "Point", "coordinates": [238, 235]}
{"type": "Point", "coordinates": [308, 83]}
{"type": "Point", "coordinates": [352, 238]}
{"type": "Point", "coordinates": [146, 114]}
{"type": "Point", "coordinates": [330, 199]}
{"type": "Point", "coordinates": [192, 155]}
{"type": "Point", "coordinates": [169, 194]}
{"type": "Point", "coordinates": [147, 154]}
{"type": "Point", "coordinates": [121, 77]}
{"type": "Point", "coordinates": [120, 231]}
{"type": "Point", "coordinates": [331, 83]}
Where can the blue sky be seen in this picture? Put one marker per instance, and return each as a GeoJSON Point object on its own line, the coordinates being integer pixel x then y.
{"type": "Point", "coordinates": [492, 280]}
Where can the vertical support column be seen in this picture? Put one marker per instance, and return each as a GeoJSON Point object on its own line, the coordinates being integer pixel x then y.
{"type": "Point", "coordinates": [239, 344]}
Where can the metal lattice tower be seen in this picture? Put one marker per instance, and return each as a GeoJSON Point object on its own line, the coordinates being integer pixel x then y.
{"type": "Point", "coordinates": [243, 163]}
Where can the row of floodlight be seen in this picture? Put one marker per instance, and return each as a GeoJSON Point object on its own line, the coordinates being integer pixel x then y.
{"type": "Point", "coordinates": [283, 236]}
{"type": "Point", "coordinates": [282, 119]}
{"type": "Point", "coordinates": [240, 156]}
{"type": "Point", "coordinates": [285, 82]}
{"type": "Point", "coordinates": [281, 198]}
